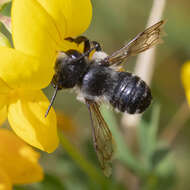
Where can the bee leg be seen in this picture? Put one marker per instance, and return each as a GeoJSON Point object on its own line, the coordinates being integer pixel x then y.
{"type": "Point", "coordinates": [52, 99]}
{"type": "Point", "coordinates": [96, 46]}
{"type": "Point", "coordinates": [78, 40]}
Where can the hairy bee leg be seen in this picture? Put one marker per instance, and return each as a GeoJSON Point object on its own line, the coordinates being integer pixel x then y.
{"type": "Point", "coordinates": [78, 40]}
{"type": "Point", "coordinates": [85, 54]}
{"type": "Point", "coordinates": [87, 43]}
{"type": "Point", "coordinates": [89, 46]}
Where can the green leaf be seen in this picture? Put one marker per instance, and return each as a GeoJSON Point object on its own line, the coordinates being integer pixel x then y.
{"type": "Point", "coordinates": [147, 136]}
{"type": "Point", "coordinates": [4, 41]}
{"type": "Point", "coordinates": [159, 154]}
{"type": "Point", "coordinates": [162, 177]}
{"type": "Point", "coordinates": [17, 187]}
{"type": "Point", "coordinates": [92, 172]}
{"type": "Point", "coordinates": [5, 9]}
{"type": "Point", "coordinates": [154, 124]}
{"type": "Point", "coordinates": [51, 182]}
{"type": "Point", "coordinates": [7, 36]}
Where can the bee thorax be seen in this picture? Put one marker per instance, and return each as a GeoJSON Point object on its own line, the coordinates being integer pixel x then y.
{"type": "Point", "coordinates": [99, 82]}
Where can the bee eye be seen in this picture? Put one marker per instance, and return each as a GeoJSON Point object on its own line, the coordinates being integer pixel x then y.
{"type": "Point", "coordinates": [73, 54]}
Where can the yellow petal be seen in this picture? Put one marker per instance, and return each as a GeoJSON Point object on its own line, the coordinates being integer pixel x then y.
{"type": "Point", "coordinates": [185, 77]}
{"type": "Point", "coordinates": [4, 88]}
{"type": "Point", "coordinates": [5, 182]}
{"type": "Point", "coordinates": [27, 118]}
{"type": "Point", "coordinates": [4, 99]}
{"type": "Point", "coordinates": [78, 14]}
{"type": "Point", "coordinates": [185, 74]}
{"type": "Point", "coordinates": [18, 160]}
{"type": "Point", "coordinates": [55, 9]}
{"type": "Point", "coordinates": [187, 93]}
{"type": "Point", "coordinates": [34, 31]}
{"type": "Point", "coordinates": [3, 114]}
{"type": "Point", "coordinates": [19, 70]}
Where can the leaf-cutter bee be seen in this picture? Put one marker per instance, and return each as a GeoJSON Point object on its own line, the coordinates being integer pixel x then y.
{"type": "Point", "coordinates": [99, 78]}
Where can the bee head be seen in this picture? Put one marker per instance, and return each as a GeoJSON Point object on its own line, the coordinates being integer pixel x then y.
{"type": "Point", "coordinates": [69, 69]}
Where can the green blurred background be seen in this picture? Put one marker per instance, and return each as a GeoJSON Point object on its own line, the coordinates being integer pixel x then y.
{"type": "Point", "coordinates": [114, 23]}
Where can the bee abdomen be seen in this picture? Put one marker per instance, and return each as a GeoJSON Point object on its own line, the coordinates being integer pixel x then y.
{"type": "Point", "coordinates": [131, 94]}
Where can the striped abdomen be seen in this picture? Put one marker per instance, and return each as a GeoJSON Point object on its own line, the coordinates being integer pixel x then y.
{"type": "Point", "coordinates": [131, 94]}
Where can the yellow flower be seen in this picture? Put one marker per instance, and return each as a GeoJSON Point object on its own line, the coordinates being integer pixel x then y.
{"type": "Point", "coordinates": [18, 162]}
{"type": "Point", "coordinates": [185, 77]}
{"type": "Point", "coordinates": [39, 28]}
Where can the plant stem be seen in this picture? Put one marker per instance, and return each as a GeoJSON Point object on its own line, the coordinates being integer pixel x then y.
{"type": "Point", "coordinates": [176, 123]}
{"type": "Point", "coordinates": [82, 162]}
{"type": "Point", "coordinates": [145, 61]}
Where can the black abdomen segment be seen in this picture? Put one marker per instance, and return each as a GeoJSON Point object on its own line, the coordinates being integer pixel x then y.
{"type": "Point", "coordinates": [131, 94]}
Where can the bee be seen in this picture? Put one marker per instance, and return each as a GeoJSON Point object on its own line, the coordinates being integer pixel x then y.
{"type": "Point", "coordinates": [99, 78]}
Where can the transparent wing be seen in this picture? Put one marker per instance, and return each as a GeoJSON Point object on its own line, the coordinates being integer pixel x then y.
{"type": "Point", "coordinates": [143, 41]}
{"type": "Point", "coordinates": [102, 138]}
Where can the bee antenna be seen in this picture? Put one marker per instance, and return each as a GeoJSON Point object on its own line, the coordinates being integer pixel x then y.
{"type": "Point", "coordinates": [84, 54]}
{"type": "Point", "coordinates": [52, 100]}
